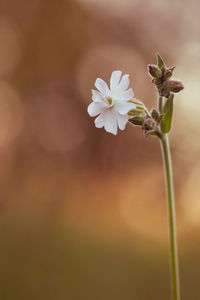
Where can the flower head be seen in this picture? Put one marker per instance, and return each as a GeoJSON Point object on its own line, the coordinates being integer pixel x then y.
{"type": "Point", "coordinates": [112, 104]}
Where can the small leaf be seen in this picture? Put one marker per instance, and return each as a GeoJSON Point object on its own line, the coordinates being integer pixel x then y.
{"type": "Point", "coordinates": [160, 118]}
{"type": "Point", "coordinates": [160, 61]}
{"type": "Point", "coordinates": [168, 112]}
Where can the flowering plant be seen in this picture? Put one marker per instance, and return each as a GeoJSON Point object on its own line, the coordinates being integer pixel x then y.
{"type": "Point", "coordinates": [116, 106]}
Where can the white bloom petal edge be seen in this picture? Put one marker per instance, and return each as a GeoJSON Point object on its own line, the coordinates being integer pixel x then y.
{"type": "Point", "coordinates": [114, 80]}
{"type": "Point", "coordinates": [122, 121]}
{"type": "Point", "coordinates": [97, 96]}
{"type": "Point", "coordinates": [102, 86]}
{"type": "Point", "coordinates": [111, 122]}
{"type": "Point", "coordinates": [95, 108]}
{"type": "Point", "coordinates": [123, 85]}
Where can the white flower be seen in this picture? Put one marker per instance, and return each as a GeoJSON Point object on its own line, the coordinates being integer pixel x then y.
{"type": "Point", "coordinates": [112, 105]}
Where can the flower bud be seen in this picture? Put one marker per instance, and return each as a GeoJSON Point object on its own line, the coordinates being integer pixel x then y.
{"type": "Point", "coordinates": [168, 74]}
{"type": "Point", "coordinates": [140, 108]}
{"type": "Point", "coordinates": [157, 81]}
{"type": "Point", "coordinates": [154, 71]}
{"type": "Point", "coordinates": [149, 124]}
{"type": "Point", "coordinates": [155, 114]}
{"type": "Point", "coordinates": [174, 86]}
{"type": "Point", "coordinates": [137, 120]}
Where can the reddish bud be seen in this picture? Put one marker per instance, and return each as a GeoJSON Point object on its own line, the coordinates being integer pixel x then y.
{"type": "Point", "coordinates": [174, 86]}
{"type": "Point", "coordinates": [154, 71]}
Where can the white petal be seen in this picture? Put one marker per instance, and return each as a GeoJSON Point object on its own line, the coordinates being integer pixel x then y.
{"type": "Point", "coordinates": [111, 122]}
{"type": "Point", "coordinates": [124, 95]}
{"type": "Point", "coordinates": [124, 108]}
{"type": "Point", "coordinates": [97, 96]}
{"type": "Point", "coordinates": [122, 121]}
{"type": "Point", "coordinates": [100, 120]}
{"type": "Point", "coordinates": [114, 80]}
{"type": "Point", "coordinates": [124, 83]}
{"type": "Point", "coordinates": [102, 86]}
{"type": "Point", "coordinates": [96, 108]}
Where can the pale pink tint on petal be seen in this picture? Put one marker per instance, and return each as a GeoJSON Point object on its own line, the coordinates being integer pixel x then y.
{"type": "Point", "coordinates": [114, 80]}
{"type": "Point", "coordinates": [111, 122]}
{"type": "Point", "coordinates": [102, 86]}
{"type": "Point", "coordinates": [124, 108]}
{"type": "Point", "coordinates": [122, 121]}
{"type": "Point", "coordinates": [124, 83]}
{"type": "Point", "coordinates": [96, 108]}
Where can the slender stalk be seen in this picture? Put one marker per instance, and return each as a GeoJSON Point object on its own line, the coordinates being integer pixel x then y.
{"type": "Point", "coordinates": [172, 219]}
{"type": "Point", "coordinates": [160, 104]}
{"type": "Point", "coordinates": [174, 268]}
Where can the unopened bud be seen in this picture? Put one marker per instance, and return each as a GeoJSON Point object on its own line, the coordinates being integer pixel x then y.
{"type": "Point", "coordinates": [168, 74]}
{"type": "Point", "coordinates": [149, 124]}
{"type": "Point", "coordinates": [157, 81]}
{"type": "Point", "coordinates": [174, 86]}
{"type": "Point", "coordinates": [140, 108]}
{"type": "Point", "coordinates": [154, 71]}
{"type": "Point", "coordinates": [137, 120]}
{"type": "Point", "coordinates": [155, 114]}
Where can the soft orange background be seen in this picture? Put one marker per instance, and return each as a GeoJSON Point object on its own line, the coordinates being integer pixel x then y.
{"type": "Point", "coordinates": [83, 213]}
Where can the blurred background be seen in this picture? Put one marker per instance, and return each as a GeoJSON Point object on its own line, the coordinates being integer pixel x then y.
{"type": "Point", "coordinates": [83, 213]}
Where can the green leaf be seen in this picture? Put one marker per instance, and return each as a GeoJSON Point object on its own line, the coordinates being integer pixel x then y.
{"type": "Point", "coordinates": [168, 112]}
{"type": "Point", "coordinates": [160, 61]}
{"type": "Point", "coordinates": [160, 118]}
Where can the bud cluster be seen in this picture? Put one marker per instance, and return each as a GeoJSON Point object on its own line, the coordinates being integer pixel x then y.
{"type": "Point", "coordinates": [162, 78]}
{"type": "Point", "coordinates": [148, 121]}
{"type": "Point", "coordinates": [157, 122]}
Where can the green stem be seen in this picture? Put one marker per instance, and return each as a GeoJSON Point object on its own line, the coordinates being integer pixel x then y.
{"type": "Point", "coordinates": [175, 282]}
{"type": "Point", "coordinates": [160, 104]}
{"type": "Point", "coordinates": [172, 218]}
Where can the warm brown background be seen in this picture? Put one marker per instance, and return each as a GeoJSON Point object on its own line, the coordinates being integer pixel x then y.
{"type": "Point", "coordinates": [82, 212]}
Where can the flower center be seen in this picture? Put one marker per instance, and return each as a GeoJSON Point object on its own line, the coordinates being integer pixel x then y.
{"type": "Point", "coordinates": [109, 99]}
